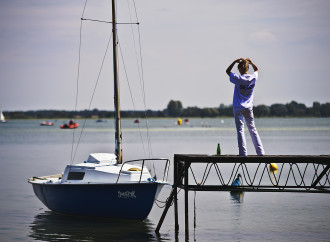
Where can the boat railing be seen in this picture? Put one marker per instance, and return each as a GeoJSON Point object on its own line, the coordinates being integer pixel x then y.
{"type": "Point", "coordinates": [166, 167]}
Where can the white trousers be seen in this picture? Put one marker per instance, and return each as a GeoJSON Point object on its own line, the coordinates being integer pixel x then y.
{"type": "Point", "coordinates": [247, 114]}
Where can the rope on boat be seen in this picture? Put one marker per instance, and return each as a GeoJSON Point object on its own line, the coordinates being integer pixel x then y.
{"type": "Point", "coordinates": [165, 202]}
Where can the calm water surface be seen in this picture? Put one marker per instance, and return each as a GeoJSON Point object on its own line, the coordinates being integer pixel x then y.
{"type": "Point", "coordinates": [27, 149]}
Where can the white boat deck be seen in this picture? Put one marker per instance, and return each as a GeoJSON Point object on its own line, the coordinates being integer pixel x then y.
{"type": "Point", "coordinates": [95, 171]}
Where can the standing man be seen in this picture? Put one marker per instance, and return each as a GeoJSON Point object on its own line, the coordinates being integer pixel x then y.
{"type": "Point", "coordinates": [243, 104]}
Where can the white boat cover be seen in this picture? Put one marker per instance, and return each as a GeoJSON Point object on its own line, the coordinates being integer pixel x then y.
{"type": "Point", "coordinates": [101, 158]}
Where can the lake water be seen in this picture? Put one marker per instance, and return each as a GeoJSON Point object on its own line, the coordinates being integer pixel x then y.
{"type": "Point", "coordinates": [28, 149]}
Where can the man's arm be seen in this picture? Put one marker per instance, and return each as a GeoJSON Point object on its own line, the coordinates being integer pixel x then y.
{"type": "Point", "coordinates": [232, 65]}
{"type": "Point", "coordinates": [255, 68]}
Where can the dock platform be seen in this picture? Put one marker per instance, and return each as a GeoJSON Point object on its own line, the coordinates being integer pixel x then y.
{"type": "Point", "coordinates": [294, 173]}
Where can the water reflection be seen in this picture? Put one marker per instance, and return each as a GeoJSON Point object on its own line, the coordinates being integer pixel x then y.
{"type": "Point", "coordinates": [49, 226]}
{"type": "Point", "coordinates": [237, 197]}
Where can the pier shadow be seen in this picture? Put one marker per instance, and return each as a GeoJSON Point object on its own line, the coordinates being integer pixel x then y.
{"type": "Point", "coordinates": [50, 226]}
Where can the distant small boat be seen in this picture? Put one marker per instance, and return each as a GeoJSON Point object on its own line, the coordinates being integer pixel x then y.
{"type": "Point", "coordinates": [136, 121]}
{"type": "Point", "coordinates": [47, 123]}
{"type": "Point", "coordinates": [100, 121]}
{"type": "Point", "coordinates": [70, 125]}
{"type": "Point", "coordinates": [2, 118]}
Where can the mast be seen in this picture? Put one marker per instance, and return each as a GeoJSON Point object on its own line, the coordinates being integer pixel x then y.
{"type": "Point", "coordinates": [118, 140]}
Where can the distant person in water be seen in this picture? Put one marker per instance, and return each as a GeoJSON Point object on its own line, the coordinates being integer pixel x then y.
{"type": "Point", "coordinates": [243, 104]}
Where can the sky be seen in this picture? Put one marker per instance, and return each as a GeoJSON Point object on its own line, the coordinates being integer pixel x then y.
{"type": "Point", "coordinates": [186, 46]}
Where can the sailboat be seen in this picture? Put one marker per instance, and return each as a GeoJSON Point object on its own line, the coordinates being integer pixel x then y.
{"type": "Point", "coordinates": [2, 118]}
{"type": "Point", "coordinates": [104, 185]}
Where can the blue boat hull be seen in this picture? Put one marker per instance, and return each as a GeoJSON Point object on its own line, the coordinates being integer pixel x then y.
{"type": "Point", "coordinates": [128, 201]}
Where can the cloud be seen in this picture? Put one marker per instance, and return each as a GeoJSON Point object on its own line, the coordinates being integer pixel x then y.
{"type": "Point", "coordinates": [262, 38]}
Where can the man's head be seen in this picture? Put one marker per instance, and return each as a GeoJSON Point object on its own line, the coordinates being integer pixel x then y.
{"type": "Point", "coordinates": [243, 67]}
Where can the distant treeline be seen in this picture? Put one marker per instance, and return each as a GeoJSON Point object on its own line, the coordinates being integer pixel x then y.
{"type": "Point", "coordinates": [175, 109]}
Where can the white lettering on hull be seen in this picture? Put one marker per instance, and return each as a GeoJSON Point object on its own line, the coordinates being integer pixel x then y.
{"type": "Point", "coordinates": [126, 194]}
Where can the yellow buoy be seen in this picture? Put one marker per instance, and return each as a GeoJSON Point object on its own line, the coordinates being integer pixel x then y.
{"type": "Point", "coordinates": [134, 169]}
{"type": "Point", "coordinates": [273, 167]}
{"type": "Point", "coordinates": [179, 121]}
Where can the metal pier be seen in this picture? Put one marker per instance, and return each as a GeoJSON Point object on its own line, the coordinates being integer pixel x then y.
{"type": "Point", "coordinates": [295, 173]}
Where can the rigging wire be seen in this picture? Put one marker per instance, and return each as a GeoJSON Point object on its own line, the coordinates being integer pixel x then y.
{"type": "Point", "coordinates": [74, 151]}
{"type": "Point", "coordinates": [130, 91]}
{"type": "Point", "coordinates": [102, 21]}
{"type": "Point", "coordinates": [77, 81]}
{"type": "Point", "coordinates": [93, 94]}
{"type": "Point", "coordinates": [141, 76]}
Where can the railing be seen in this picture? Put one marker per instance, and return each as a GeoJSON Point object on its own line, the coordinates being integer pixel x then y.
{"type": "Point", "coordinates": [294, 173]}
{"type": "Point", "coordinates": [289, 177]}
{"type": "Point", "coordinates": [166, 167]}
